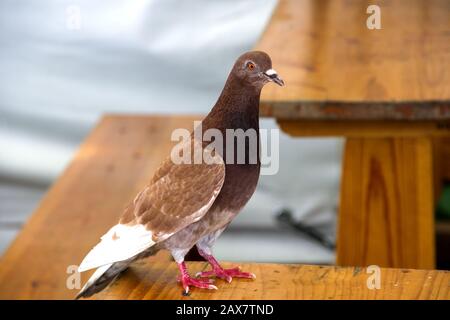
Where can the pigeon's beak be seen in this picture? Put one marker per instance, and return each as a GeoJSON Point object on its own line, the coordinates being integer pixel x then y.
{"type": "Point", "coordinates": [273, 76]}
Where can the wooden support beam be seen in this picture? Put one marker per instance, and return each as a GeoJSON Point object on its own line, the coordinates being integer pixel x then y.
{"type": "Point", "coordinates": [387, 203]}
{"type": "Point", "coordinates": [364, 128]}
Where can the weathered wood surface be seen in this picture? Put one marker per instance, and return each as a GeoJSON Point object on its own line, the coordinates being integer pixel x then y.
{"type": "Point", "coordinates": [336, 68]}
{"type": "Point", "coordinates": [368, 129]}
{"type": "Point", "coordinates": [113, 164]}
{"type": "Point", "coordinates": [156, 279]}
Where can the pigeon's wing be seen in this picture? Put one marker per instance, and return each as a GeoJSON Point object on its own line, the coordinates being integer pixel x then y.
{"type": "Point", "coordinates": [177, 196]}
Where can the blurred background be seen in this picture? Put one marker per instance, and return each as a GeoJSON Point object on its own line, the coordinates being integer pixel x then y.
{"type": "Point", "coordinates": [65, 63]}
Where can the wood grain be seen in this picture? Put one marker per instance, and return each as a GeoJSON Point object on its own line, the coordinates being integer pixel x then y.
{"type": "Point", "coordinates": [362, 110]}
{"type": "Point", "coordinates": [387, 202]}
{"type": "Point", "coordinates": [367, 128]}
{"type": "Point", "coordinates": [156, 279]}
{"type": "Point", "coordinates": [336, 68]}
{"type": "Point", "coordinates": [114, 163]}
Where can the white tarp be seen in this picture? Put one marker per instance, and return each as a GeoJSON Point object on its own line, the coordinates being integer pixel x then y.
{"type": "Point", "coordinates": [64, 63]}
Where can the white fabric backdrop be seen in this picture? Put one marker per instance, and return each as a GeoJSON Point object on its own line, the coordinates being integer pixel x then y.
{"type": "Point", "coordinates": [60, 70]}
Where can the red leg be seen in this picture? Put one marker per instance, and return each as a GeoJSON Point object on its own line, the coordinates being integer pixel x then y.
{"type": "Point", "coordinates": [218, 271]}
{"type": "Point", "coordinates": [186, 280]}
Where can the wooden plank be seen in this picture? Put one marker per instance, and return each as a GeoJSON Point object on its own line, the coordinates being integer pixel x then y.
{"type": "Point", "coordinates": [367, 128]}
{"type": "Point", "coordinates": [363, 110]}
{"type": "Point", "coordinates": [387, 202]}
{"type": "Point", "coordinates": [335, 67]}
{"type": "Point", "coordinates": [114, 163]}
{"type": "Point", "coordinates": [156, 279]}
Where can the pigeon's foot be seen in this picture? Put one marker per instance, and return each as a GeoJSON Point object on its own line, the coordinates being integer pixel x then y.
{"type": "Point", "coordinates": [187, 281]}
{"type": "Point", "coordinates": [219, 272]}
{"type": "Point", "coordinates": [226, 274]}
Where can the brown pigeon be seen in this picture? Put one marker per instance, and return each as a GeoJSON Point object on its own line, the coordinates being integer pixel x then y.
{"type": "Point", "coordinates": [191, 204]}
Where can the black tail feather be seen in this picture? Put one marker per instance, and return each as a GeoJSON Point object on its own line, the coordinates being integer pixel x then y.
{"type": "Point", "coordinates": [104, 280]}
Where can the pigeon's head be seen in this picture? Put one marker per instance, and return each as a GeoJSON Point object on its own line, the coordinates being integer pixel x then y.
{"type": "Point", "coordinates": [254, 68]}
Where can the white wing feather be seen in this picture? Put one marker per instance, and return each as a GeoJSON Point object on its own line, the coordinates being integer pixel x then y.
{"type": "Point", "coordinates": [120, 243]}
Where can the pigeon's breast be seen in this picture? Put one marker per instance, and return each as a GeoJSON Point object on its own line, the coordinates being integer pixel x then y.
{"type": "Point", "coordinates": [239, 185]}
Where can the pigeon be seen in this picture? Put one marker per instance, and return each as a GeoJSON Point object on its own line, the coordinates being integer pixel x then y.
{"type": "Point", "coordinates": [191, 204]}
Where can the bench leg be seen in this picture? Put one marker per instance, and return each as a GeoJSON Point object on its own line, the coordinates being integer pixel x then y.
{"type": "Point", "coordinates": [387, 203]}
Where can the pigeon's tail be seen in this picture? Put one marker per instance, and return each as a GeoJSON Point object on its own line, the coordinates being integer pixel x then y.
{"type": "Point", "coordinates": [102, 277]}
{"type": "Point", "coordinates": [107, 273]}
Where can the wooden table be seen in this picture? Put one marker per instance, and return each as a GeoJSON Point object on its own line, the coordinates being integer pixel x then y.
{"type": "Point", "coordinates": [115, 161]}
{"type": "Point", "coordinates": [387, 92]}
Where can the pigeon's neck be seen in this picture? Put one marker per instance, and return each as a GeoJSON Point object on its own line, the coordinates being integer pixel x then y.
{"type": "Point", "coordinates": [236, 108]}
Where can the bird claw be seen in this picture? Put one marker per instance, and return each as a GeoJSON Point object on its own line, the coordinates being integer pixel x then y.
{"type": "Point", "coordinates": [226, 274]}
{"type": "Point", "coordinates": [188, 281]}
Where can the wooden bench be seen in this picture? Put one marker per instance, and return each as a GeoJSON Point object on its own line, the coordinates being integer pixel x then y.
{"type": "Point", "coordinates": [154, 279]}
{"type": "Point", "coordinates": [387, 92]}
{"type": "Point", "coordinates": [112, 165]}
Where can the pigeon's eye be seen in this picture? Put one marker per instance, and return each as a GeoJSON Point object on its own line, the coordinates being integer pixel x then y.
{"type": "Point", "coordinates": [250, 66]}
